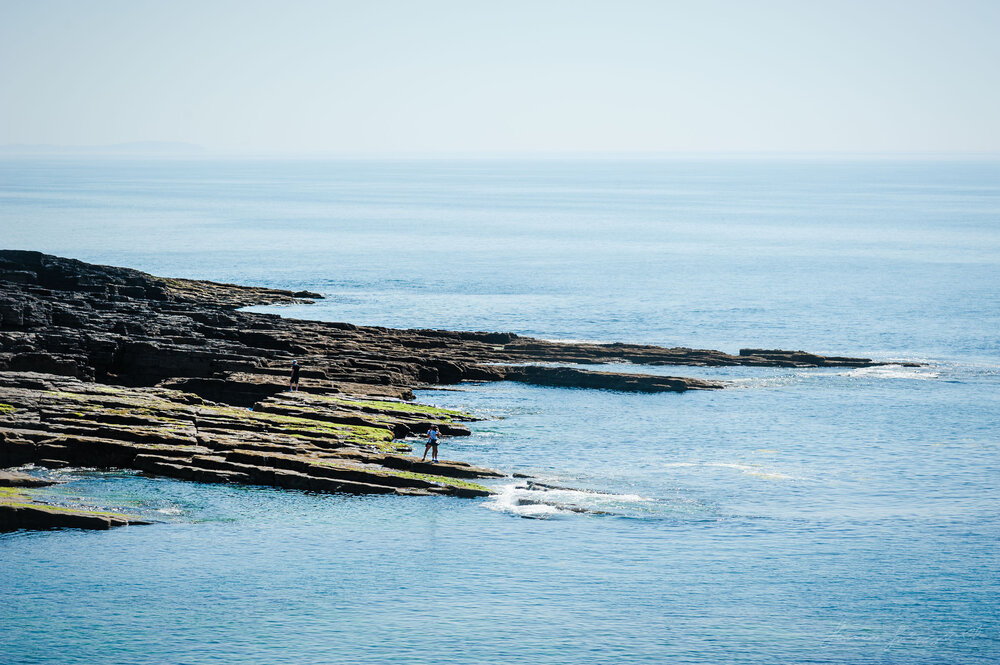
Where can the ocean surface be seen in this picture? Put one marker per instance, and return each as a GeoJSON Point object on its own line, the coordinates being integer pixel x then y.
{"type": "Point", "coordinates": [801, 516]}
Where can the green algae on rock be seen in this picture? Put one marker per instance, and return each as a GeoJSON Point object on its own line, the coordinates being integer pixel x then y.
{"type": "Point", "coordinates": [322, 447]}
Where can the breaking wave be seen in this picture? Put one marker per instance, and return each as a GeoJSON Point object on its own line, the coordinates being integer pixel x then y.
{"type": "Point", "coordinates": [894, 372]}
{"type": "Point", "coordinates": [534, 500]}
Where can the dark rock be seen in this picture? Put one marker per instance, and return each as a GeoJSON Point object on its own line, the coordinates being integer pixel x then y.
{"type": "Point", "coordinates": [123, 334]}
{"type": "Point", "coordinates": [800, 359]}
{"type": "Point", "coordinates": [15, 517]}
{"type": "Point", "coordinates": [17, 479]}
{"type": "Point", "coordinates": [237, 393]}
{"type": "Point", "coordinates": [41, 362]}
{"type": "Point", "coordinates": [567, 377]}
{"type": "Point", "coordinates": [18, 276]}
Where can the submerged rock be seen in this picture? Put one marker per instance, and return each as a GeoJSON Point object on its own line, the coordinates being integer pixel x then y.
{"type": "Point", "coordinates": [16, 479]}
{"type": "Point", "coordinates": [20, 510]}
{"type": "Point", "coordinates": [37, 516]}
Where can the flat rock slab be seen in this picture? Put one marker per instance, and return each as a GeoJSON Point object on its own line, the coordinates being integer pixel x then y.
{"type": "Point", "coordinates": [17, 479]}
{"type": "Point", "coordinates": [568, 377]}
{"type": "Point", "coordinates": [36, 516]}
{"type": "Point", "coordinates": [320, 443]}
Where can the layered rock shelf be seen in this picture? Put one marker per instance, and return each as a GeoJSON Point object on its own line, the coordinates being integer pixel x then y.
{"type": "Point", "coordinates": [110, 367]}
{"type": "Point", "coordinates": [326, 443]}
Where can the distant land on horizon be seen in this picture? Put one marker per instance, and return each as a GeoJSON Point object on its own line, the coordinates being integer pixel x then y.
{"type": "Point", "coordinates": [133, 147]}
{"type": "Point", "coordinates": [184, 149]}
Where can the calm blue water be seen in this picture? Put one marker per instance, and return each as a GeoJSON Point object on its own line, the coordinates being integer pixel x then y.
{"type": "Point", "coordinates": [803, 516]}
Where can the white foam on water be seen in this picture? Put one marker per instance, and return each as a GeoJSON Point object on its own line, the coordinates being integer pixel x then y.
{"type": "Point", "coordinates": [544, 503]}
{"type": "Point", "coordinates": [571, 340]}
{"type": "Point", "coordinates": [752, 382]}
{"type": "Point", "coordinates": [509, 500]}
{"type": "Point", "coordinates": [893, 372]}
{"type": "Point", "coordinates": [751, 470]}
{"type": "Point", "coordinates": [756, 470]}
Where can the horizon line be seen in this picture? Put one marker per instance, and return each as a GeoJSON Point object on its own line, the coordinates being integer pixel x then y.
{"type": "Point", "coordinates": [185, 150]}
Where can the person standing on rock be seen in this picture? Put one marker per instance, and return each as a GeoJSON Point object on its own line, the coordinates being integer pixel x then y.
{"type": "Point", "coordinates": [432, 442]}
{"type": "Point", "coordinates": [293, 383]}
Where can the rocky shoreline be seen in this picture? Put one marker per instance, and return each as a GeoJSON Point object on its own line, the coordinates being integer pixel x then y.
{"type": "Point", "coordinates": [107, 367]}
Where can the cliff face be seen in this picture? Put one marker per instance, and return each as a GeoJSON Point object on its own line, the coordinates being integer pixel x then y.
{"type": "Point", "coordinates": [114, 368]}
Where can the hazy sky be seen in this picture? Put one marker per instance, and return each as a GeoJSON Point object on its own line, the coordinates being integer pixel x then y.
{"type": "Point", "coordinates": [504, 75]}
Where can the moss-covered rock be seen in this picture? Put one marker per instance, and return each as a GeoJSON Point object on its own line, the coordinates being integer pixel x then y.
{"type": "Point", "coordinates": [318, 443]}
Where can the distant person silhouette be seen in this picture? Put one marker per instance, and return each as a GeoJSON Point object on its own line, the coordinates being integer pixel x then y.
{"type": "Point", "coordinates": [293, 383]}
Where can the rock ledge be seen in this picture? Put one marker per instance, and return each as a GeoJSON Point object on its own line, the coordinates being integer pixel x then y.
{"type": "Point", "coordinates": [108, 367]}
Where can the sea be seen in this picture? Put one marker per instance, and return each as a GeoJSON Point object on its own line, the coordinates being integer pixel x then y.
{"type": "Point", "coordinates": [798, 516]}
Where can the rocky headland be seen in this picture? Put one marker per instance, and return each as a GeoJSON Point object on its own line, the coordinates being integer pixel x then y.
{"type": "Point", "coordinates": [112, 368]}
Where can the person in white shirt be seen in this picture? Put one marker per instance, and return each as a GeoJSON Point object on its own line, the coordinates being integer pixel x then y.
{"type": "Point", "coordinates": [432, 442]}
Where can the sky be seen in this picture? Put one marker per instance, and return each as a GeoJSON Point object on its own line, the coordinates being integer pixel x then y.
{"type": "Point", "coordinates": [542, 76]}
